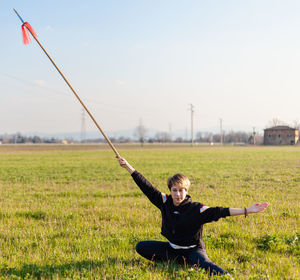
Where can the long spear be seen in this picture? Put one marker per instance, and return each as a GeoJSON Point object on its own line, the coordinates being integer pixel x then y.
{"type": "Point", "coordinates": [26, 27]}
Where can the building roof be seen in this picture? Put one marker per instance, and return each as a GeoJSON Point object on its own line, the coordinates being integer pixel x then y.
{"type": "Point", "coordinates": [280, 127]}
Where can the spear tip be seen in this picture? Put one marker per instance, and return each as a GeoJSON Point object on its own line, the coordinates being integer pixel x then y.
{"type": "Point", "coordinates": [18, 15]}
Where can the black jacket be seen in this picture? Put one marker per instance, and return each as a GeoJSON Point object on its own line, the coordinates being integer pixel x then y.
{"type": "Point", "coordinates": [181, 225]}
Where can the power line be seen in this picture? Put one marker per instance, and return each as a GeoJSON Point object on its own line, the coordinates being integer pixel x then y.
{"type": "Point", "coordinates": [33, 84]}
{"type": "Point", "coordinates": [103, 106]}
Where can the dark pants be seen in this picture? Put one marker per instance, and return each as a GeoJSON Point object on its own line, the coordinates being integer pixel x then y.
{"type": "Point", "coordinates": [162, 251]}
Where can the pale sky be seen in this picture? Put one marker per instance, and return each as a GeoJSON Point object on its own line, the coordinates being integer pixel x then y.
{"type": "Point", "coordinates": [131, 60]}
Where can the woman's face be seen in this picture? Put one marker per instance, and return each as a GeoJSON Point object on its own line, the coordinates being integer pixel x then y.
{"type": "Point", "coordinates": [178, 194]}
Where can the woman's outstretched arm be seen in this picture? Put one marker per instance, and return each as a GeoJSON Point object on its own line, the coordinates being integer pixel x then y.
{"type": "Point", "coordinates": [255, 208]}
{"type": "Point", "coordinates": [123, 162]}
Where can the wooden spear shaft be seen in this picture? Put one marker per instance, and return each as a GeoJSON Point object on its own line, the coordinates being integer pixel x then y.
{"type": "Point", "coordinates": [72, 89]}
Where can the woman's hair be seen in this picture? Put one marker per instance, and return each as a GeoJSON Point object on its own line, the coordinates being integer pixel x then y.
{"type": "Point", "coordinates": [179, 180]}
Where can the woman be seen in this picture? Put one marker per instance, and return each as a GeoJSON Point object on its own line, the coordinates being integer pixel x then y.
{"type": "Point", "coordinates": [182, 222]}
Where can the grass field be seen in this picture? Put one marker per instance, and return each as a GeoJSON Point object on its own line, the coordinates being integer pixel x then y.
{"type": "Point", "coordinates": [73, 213]}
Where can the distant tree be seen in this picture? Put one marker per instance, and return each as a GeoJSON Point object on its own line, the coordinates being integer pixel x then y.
{"type": "Point", "coordinates": [204, 137]}
{"type": "Point", "coordinates": [113, 139]}
{"type": "Point", "coordinates": [199, 137]}
{"type": "Point", "coordinates": [275, 122]}
{"type": "Point", "coordinates": [5, 139]}
{"type": "Point", "coordinates": [21, 139]}
{"type": "Point", "coordinates": [230, 137]}
{"type": "Point", "coordinates": [151, 140]}
{"type": "Point", "coordinates": [296, 124]}
{"type": "Point", "coordinates": [140, 132]}
{"type": "Point", "coordinates": [162, 137]}
{"type": "Point", "coordinates": [237, 137]}
{"type": "Point", "coordinates": [36, 140]}
{"type": "Point", "coordinates": [216, 138]}
{"type": "Point", "coordinates": [179, 140]}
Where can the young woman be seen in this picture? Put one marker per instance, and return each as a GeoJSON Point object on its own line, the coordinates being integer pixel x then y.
{"type": "Point", "coordinates": [182, 222]}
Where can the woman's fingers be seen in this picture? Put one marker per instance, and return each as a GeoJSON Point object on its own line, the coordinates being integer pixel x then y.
{"type": "Point", "coordinates": [265, 205]}
{"type": "Point", "coordinates": [258, 207]}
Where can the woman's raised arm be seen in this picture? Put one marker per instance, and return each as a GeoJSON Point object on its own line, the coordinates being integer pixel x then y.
{"type": "Point", "coordinates": [153, 194]}
{"type": "Point", "coordinates": [255, 208]}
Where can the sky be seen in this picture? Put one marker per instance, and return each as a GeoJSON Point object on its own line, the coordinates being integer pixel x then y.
{"type": "Point", "coordinates": [133, 61]}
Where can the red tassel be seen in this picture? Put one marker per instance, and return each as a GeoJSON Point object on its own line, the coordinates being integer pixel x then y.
{"type": "Point", "coordinates": [25, 33]}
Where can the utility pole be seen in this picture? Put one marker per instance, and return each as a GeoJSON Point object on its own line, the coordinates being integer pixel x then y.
{"type": "Point", "coordinates": [221, 132]}
{"type": "Point", "coordinates": [170, 131]}
{"type": "Point", "coordinates": [83, 127]}
{"type": "Point", "coordinates": [192, 123]}
{"type": "Point", "coordinates": [254, 142]}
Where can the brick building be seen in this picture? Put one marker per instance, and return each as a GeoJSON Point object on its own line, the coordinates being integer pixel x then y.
{"type": "Point", "coordinates": [281, 135]}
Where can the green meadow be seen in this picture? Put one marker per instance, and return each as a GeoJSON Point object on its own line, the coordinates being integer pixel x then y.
{"type": "Point", "coordinates": [71, 212]}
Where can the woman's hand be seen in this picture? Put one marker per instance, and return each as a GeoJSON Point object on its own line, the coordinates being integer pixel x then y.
{"type": "Point", "coordinates": [257, 207]}
{"type": "Point", "coordinates": [123, 163]}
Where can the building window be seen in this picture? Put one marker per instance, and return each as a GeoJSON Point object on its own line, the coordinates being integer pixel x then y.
{"type": "Point", "coordinates": [278, 135]}
{"type": "Point", "coordinates": [269, 135]}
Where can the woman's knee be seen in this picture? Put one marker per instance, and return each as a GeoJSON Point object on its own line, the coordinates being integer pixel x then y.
{"type": "Point", "coordinates": [152, 250]}
{"type": "Point", "coordinates": [144, 249]}
{"type": "Point", "coordinates": [139, 247]}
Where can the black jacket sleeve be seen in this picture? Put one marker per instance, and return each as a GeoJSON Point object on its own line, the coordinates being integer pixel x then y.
{"type": "Point", "coordinates": [153, 194]}
{"type": "Point", "coordinates": [213, 214]}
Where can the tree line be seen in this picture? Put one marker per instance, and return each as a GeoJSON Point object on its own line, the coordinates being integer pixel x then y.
{"type": "Point", "coordinates": [18, 138]}
{"type": "Point", "coordinates": [231, 137]}
{"type": "Point", "coordinates": [140, 136]}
